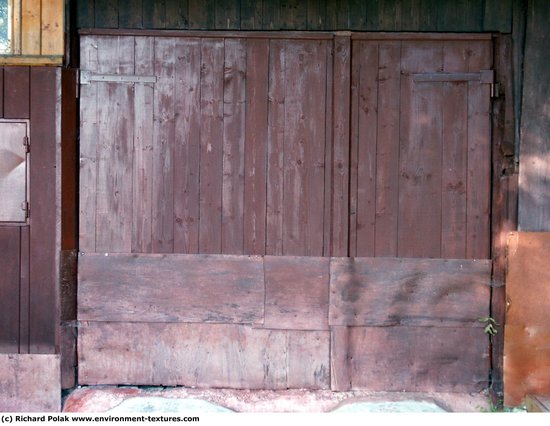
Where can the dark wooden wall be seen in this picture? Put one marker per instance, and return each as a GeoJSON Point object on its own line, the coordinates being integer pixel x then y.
{"type": "Point", "coordinates": [311, 15]}
{"type": "Point", "coordinates": [29, 302]}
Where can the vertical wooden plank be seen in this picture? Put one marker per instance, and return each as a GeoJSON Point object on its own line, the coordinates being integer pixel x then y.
{"type": "Point", "coordinates": [341, 147]}
{"type": "Point", "coordinates": [154, 14]}
{"type": "Point", "coordinates": [211, 149]}
{"type": "Point", "coordinates": [53, 27]}
{"type": "Point", "coordinates": [340, 378]}
{"type": "Point", "coordinates": [89, 133]}
{"type": "Point", "coordinates": [455, 154]}
{"type": "Point", "coordinates": [130, 13]}
{"type": "Point", "coordinates": [24, 292]}
{"type": "Point", "coordinates": [164, 141]}
{"type": "Point", "coordinates": [187, 146]}
{"type": "Point", "coordinates": [234, 112]}
{"type": "Point", "coordinates": [479, 156]}
{"type": "Point", "coordinates": [1, 92]}
{"type": "Point", "coordinates": [327, 214]}
{"type": "Point", "coordinates": [358, 15]}
{"type": "Point", "coordinates": [106, 14]}
{"type": "Point", "coordinates": [257, 57]}
{"type": "Point", "coordinates": [420, 153]}
{"type": "Point", "coordinates": [428, 15]}
{"type": "Point", "coordinates": [251, 15]}
{"type": "Point", "coordinates": [275, 148]}
{"type": "Point", "coordinates": [316, 15]}
{"type": "Point", "coordinates": [363, 202]}
{"type": "Point", "coordinates": [177, 14]}
{"type": "Point", "coordinates": [271, 15]}
{"type": "Point", "coordinates": [387, 150]}
{"type": "Point", "coordinates": [293, 14]}
{"type": "Point", "coordinates": [497, 15]}
{"type": "Point", "coordinates": [338, 15]}
{"type": "Point", "coordinates": [142, 169]}
{"type": "Point", "coordinates": [228, 15]}
{"type": "Point", "coordinates": [202, 14]}
{"type": "Point", "coordinates": [114, 148]}
{"type": "Point", "coordinates": [410, 15]}
{"type": "Point", "coordinates": [43, 315]}
{"type": "Point", "coordinates": [31, 27]}
{"type": "Point", "coordinates": [85, 13]}
{"type": "Point", "coordinates": [10, 247]}
{"type": "Point", "coordinates": [16, 92]}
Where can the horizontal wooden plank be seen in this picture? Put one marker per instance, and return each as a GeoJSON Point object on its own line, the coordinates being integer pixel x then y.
{"type": "Point", "coordinates": [170, 288]}
{"type": "Point", "coordinates": [31, 60]}
{"type": "Point", "coordinates": [294, 35]}
{"type": "Point", "coordinates": [202, 355]}
{"type": "Point", "coordinates": [393, 291]}
{"type": "Point", "coordinates": [297, 292]}
{"type": "Point", "coordinates": [419, 36]}
{"type": "Point", "coordinates": [30, 383]}
{"type": "Point", "coordinates": [418, 359]}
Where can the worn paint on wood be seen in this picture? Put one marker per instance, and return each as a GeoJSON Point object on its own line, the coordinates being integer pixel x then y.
{"type": "Point", "coordinates": [296, 293]}
{"type": "Point", "coordinates": [203, 355]}
{"type": "Point", "coordinates": [171, 288]}
{"type": "Point", "coordinates": [418, 359]}
{"type": "Point", "coordinates": [527, 331]}
{"type": "Point", "coordinates": [16, 92]}
{"type": "Point", "coordinates": [391, 291]}
{"type": "Point", "coordinates": [340, 379]}
{"type": "Point", "coordinates": [29, 383]}
{"type": "Point", "coordinates": [10, 247]}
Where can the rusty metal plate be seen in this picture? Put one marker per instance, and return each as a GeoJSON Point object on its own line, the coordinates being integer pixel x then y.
{"type": "Point", "coordinates": [13, 171]}
{"type": "Point", "coordinates": [527, 332]}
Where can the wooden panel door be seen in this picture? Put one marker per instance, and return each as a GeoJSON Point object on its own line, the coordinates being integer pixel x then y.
{"type": "Point", "coordinates": [421, 137]}
{"type": "Point", "coordinates": [220, 153]}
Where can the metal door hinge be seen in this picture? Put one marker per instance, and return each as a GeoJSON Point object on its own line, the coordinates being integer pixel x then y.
{"type": "Point", "coordinates": [495, 90]}
{"type": "Point", "coordinates": [26, 144]}
{"type": "Point", "coordinates": [86, 77]}
{"type": "Point", "coordinates": [25, 207]}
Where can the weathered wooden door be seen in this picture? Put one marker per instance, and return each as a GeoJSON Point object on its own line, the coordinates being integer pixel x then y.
{"type": "Point", "coordinates": [295, 148]}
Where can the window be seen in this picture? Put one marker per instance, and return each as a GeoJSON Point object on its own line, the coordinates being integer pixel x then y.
{"type": "Point", "coordinates": [5, 26]}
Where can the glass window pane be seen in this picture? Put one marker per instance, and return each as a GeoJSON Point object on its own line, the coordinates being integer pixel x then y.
{"type": "Point", "coordinates": [4, 26]}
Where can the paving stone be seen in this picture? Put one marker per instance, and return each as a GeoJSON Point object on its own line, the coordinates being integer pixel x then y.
{"type": "Point", "coordinates": [390, 407]}
{"type": "Point", "coordinates": [167, 405]}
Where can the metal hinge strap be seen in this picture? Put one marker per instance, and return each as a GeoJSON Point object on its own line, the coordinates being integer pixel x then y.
{"type": "Point", "coordinates": [26, 208]}
{"type": "Point", "coordinates": [87, 77]}
{"type": "Point", "coordinates": [26, 144]}
{"type": "Point", "coordinates": [483, 76]}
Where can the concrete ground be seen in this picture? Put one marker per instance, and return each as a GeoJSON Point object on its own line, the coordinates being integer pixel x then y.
{"type": "Point", "coordinates": [115, 399]}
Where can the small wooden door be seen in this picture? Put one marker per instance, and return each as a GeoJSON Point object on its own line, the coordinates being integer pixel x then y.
{"type": "Point", "coordinates": [420, 148]}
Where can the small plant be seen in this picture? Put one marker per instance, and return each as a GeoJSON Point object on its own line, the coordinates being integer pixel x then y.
{"type": "Point", "coordinates": [490, 325]}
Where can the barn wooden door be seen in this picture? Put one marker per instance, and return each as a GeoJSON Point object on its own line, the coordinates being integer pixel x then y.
{"type": "Point", "coordinates": [220, 173]}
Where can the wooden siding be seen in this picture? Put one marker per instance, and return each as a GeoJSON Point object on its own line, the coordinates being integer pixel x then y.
{"type": "Point", "coordinates": [39, 30]}
{"type": "Point", "coordinates": [527, 330]}
{"type": "Point", "coordinates": [33, 93]}
{"type": "Point", "coordinates": [287, 330]}
{"type": "Point", "coordinates": [29, 383]}
{"type": "Point", "coordinates": [369, 15]}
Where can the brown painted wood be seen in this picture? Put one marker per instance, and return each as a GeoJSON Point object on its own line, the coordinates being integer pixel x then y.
{"type": "Point", "coordinates": [418, 359]}
{"type": "Point", "coordinates": [327, 231]}
{"type": "Point", "coordinates": [187, 146]}
{"type": "Point", "coordinates": [1, 92]}
{"type": "Point", "coordinates": [24, 292]}
{"type": "Point", "coordinates": [392, 291]}
{"type": "Point", "coordinates": [211, 149]}
{"type": "Point", "coordinates": [143, 149]}
{"type": "Point", "coordinates": [171, 288]}
{"type": "Point", "coordinates": [257, 57]}
{"type": "Point", "coordinates": [234, 112]}
{"type": "Point", "coordinates": [526, 350]}
{"type": "Point", "coordinates": [29, 383]}
{"type": "Point", "coordinates": [10, 247]}
{"type": "Point", "coordinates": [67, 350]}
{"type": "Point", "coordinates": [420, 154]}
{"type": "Point", "coordinates": [203, 355]}
{"type": "Point", "coordinates": [341, 146]}
{"type": "Point", "coordinates": [89, 133]}
{"type": "Point", "coordinates": [45, 92]}
{"type": "Point", "coordinates": [115, 105]}
{"type": "Point", "coordinates": [340, 379]}
{"type": "Point", "coordinates": [296, 293]}
{"type": "Point", "coordinates": [275, 148]}
{"type": "Point", "coordinates": [479, 154]}
{"type": "Point", "coordinates": [16, 92]}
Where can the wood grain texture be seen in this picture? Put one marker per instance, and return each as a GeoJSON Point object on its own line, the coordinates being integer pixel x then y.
{"type": "Point", "coordinates": [53, 28]}
{"type": "Point", "coordinates": [202, 355]}
{"type": "Point", "coordinates": [24, 293]}
{"type": "Point", "coordinates": [31, 27]}
{"type": "Point", "coordinates": [171, 288]}
{"type": "Point", "coordinates": [340, 379]}
{"type": "Point", "coordinates": [391, 291]}
{"type": "Point", "coordinates": [296, 293]}
{"type": "Point", "coordinates": [418, 359]}
{"type": "Point", "coordinates": [29, 383]}
{"type": "Point", "coordinates": [1, 92]}
{"type": "Point", "coordinates": [10, 247]}
{"type": "Point", "coordinates": [526, 351]}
